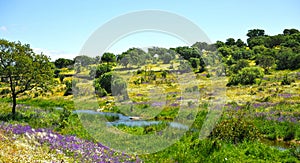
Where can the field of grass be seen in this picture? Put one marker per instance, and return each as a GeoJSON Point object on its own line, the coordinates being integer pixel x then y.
{"type": "Point", "coordinates": [257, 123]}
{"type": "Point", "coordinates": [253, 123]}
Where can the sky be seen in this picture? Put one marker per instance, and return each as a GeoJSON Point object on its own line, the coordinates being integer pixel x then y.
{"type": "Point", "coordinates": [61, 28]}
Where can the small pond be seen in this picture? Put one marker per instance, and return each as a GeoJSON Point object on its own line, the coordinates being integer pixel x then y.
{"type": "Point", "coordinates": [121, 119]}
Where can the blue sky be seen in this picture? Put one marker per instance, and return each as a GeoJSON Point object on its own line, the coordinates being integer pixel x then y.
{"type": "Point", "coordinates": [60, 28]}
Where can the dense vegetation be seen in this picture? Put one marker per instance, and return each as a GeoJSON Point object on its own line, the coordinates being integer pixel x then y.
{"type": "Point", "coordinates": [259, 121]}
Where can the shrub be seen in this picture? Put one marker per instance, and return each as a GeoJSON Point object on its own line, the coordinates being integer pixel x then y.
{"type": "Point", "coordinates": [246, 76]}
{"type": "Point", "coordinates": [100, 70]}
{"type": "Point", "coordinates": [236, 130]}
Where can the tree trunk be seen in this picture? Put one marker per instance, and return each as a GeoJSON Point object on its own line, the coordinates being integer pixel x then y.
{"type": "Point", "coordinates": [14, 96]}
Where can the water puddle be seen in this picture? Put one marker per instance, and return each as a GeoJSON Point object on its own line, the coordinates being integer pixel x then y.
{"type": "Point", "coordinates": [121, 119]}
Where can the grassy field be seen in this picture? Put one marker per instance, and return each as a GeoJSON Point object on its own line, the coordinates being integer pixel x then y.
{"type": "Point", "coordinates": [258, 122]}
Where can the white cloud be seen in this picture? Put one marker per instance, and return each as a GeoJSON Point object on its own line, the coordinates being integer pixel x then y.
{"type": "Point", "coordinates": [54, 54]}
{"type": "Point", "coordinates": [3, 29]}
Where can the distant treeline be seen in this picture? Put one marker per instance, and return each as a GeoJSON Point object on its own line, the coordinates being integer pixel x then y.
{"type": "Point", "coordinates": [281, 51]}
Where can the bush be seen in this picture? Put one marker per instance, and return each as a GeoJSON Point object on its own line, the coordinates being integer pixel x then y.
{"type": "Point", "coordinates": [242, 63]}
{"type": "Point", "coordinates": [236, 130]}
{"type": "Point", "coordinates": [100, 70]}
{"type": "Point", "coordinates": [246, 76]}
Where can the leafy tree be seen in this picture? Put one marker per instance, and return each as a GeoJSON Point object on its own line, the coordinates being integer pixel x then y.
{"type": "Point", "coordinates": [219, 44]}
{"type": "Point", "coordinates": [259, 49]}
{"type": "Point", "coordinates": [287, 59]}
{"type": "Point", "coordinates": [265, 61]}
{"type": "Point", "coordinates": [100, 70]}
{"type": "Point", "coordinates": [157, 50]}
{"type": "Point", "coordinates": [188, 52]}
{"type": "Point", "coordinates": [255, 33]}
{"type": "Point", "coordinates": [246, 76]}
{"type": "Point", "coordinates": [105, 81]}
{"type": "Point", "coordinates": [242, 63]}
{"type": "Point", "coordinates": [23, 68]}
{"type": "Point", "coordinates": [62, 62]}
{"type": "Point", "coordinates": [240, 43]}
{"type": "Point", "coordinates": [256, 37]}
{"type": "Point", "coordinates": [108, 57]}
{"type": "Point", "coordinates": [273, 41]}
{"type": "Point", "coordinates": [225, 51]}
{"type": "Point", "coordinates": [166, 58]}
{"type": "Point", "coordinates": [290, 31]}
{"type": "Point", "coordinates": [84, 60]}
{"type": "Point", "coordinates": [119, 87]}
{"type": "Point", "coordinates": [230, 42]}
{"type": "Point", "coordinates": [205, 46]}
{"type": "Point", "coordinates": [259, 40]}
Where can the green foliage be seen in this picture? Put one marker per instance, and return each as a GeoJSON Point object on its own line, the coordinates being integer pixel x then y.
{"type": "Point", "coordinates": [108, 57]}
{"type": "Point", "coordinates": [287, 59]}
{"type": "Point", "coordinates": [100, 70]}
{"type": "Point", "coordinates": [194, 62]}
{"type": "Point", "coordinates": [286, 80]}
{"type": "Point", "coordinates": [62, 62]}
{"type": "Point", "coordinates": [61, 78]}
{"type": "Point", "coordinates": [119, 87]}
{"type": "Point", "coordinates": [245, 76]}
{"type": "Point", "coordinates": [166, 58]}
{"type": "Point", "coordinates": [239, 66]}
{"type": "Point", "coordinates": [255, 33]}
{"type": "Point", "coordinates": [236, 130]}
{"type": "Point", "coordinates": [188, 52]}
{"type": "Point", "coordinates": [68, 90]}
{"type": "Point", "coordinates": [225, 51]}
{"type": "Point", "coordinates": [84, 60]}
{"type": "Point", "coordinates": [56, 73]}
{"type": "Point", "coordinates": [239, 43]}
{"type": "Point", "coordinates": [24, 69]}
{"type": "Point", "coordinates": [265, 61]}
{"type": "Point", "coordinates": [104, 82]}
{"type": "Point", "coordinates": [230, 42]}
{"type": "Point", "coordinates": [290, 31]}
{"type": "Point", "coordinates": [109, 83]}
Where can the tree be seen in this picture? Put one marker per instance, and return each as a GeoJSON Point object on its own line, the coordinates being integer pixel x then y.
{"type": "Point", "coordinates": [166, 58]}
{"type": "Point", "coordinates": [105, 81]}
{"type": "Point", "coordinates": [242, 63]}
{"type": "Point", "coordinates": [219, 44]}
{"type": "Point", "coordinates": [62, 62]}
{"type": "Point", "coordinates": [100, 70]}
{"type": "Point", "coordinates": [256, 41]}
{"type": "Point", "coordinates": [255, 33]}
{"type": "Point", "coordinates": [240, 43]}
{"type": "Point", "coordinates": [84, 60]}
{"type": "Point", "coordinates": [265, 61]}
{"type": "Point", "coordinates": [287, 59]}
{"type": "Point", "coordinates": [246, 76]}
{"type": "Point", "coordinates": [23, 68]}
{"type": "Point", "coordinates": [108, 57]}
{"type": "Point", "coordinates": [230, 42]}
{"type": "Point", "coordinates": [225, 51]}
{"type": "Point", "coordinates": [290, 31]}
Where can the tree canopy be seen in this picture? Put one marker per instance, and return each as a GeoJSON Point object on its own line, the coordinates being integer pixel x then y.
{"type": "Point", "coordinates": [23, 69]}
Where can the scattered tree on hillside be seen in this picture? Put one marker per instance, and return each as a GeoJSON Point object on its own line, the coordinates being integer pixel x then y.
{"type": "Point", "coordinates": [62, 62]}
{"type": "Point", "coordinates": [23, 69]}
{"type": "Point", "coordinates": [265, 61]}
{"type": "Point", "coordinates": [108, 57]}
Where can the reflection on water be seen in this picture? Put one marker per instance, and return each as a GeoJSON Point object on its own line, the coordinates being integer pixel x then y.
{"type": "Point", "coordinates": [131, 121]}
